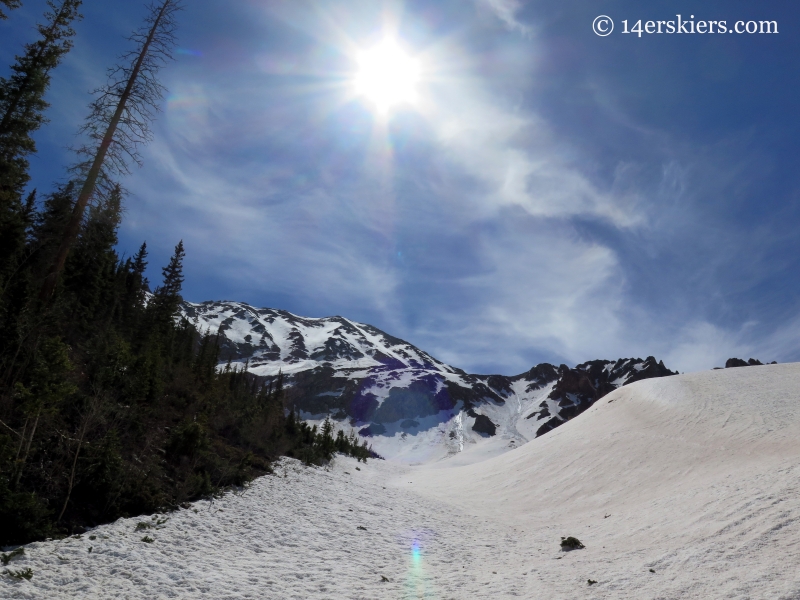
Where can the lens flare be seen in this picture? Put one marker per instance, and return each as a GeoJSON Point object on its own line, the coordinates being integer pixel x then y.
{"type": "Point", "coordinates": [418, 583]}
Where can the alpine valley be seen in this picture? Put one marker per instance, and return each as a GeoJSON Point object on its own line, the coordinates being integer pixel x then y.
{"type": "Point", "coordinates": [412, 406]}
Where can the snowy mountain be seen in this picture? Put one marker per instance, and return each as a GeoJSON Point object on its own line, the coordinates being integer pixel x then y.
{"type": "Point", "coordinates": [408, 402]}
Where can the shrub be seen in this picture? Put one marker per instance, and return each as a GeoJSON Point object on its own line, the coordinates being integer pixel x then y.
{"type": "Point", "coordinates": [26, 573]}
{"type": "Point", "coordinates": [6, 558]}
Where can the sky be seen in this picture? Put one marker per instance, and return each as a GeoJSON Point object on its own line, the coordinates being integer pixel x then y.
{"type": "Point", "coordinates": [546, 194]}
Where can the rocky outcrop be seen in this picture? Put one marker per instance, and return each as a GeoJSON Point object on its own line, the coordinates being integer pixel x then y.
{"type": "Point", "coordinates": [484, 425]}
{"type": "Point", "coordinates": [577, 389]}
{"type": "Point", "coordinates": [738, 362]}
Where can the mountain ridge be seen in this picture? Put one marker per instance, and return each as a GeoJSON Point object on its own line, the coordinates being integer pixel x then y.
{"type": "Point", "coordinates": [397, 394]}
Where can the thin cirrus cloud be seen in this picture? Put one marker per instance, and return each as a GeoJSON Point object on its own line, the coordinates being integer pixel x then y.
{"type": "Point", "coordinates": [472, 226]}
{"type": "Point", "coordinates": [531, 207]}
{"type": "Point", "coordinates": [506, 11]}
{"type": "Point", "coordinates": [495, 276]}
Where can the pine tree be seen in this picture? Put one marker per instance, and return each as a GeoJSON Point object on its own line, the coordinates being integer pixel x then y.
{"type": "Point", "coordinates": [119, 120]}
{"type": "Point", "coordinates": [22, 103]}
{"type": "Point", "coordinates": [22, 109]}
{"type": "Point", "coordinates": [47, 226]}
{"type": "Point", "coordinates": [279, 395]}
{"type": "Point", "coordinates": [10, 4]}
{"type": "Point", "coordinates": [134, 288]}
{"type": "Point", "coordinates": [90, 273]}
{"type": "Point", "coordinates": [327, 443]}
{"type": "Point", "coordinates": [138, 267]}
{"type": "Point", "coordinates": [167, 297]}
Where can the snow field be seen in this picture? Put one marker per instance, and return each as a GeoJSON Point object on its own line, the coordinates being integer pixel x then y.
{"type": "Point", "coordinates": [681, 487]}
{"type": "Point", "coordinates": [695, 476]}
{"type": "Point", "coordinates": [291, 535]}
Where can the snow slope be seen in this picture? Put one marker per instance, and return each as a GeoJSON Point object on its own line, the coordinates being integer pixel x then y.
{"type": "Point", "coordinates": [695, 476]}
{"type": "Point", "coordinates": [291, 536]}
{"type": "Point", "coordinates": [680, 487]}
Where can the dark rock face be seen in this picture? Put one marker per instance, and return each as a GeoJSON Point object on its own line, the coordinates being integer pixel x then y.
{"type": "Point", "coordinates": [372, 430]}
{"type": "Point", "coordinates": [735, 362]}
{"type": "Point", "coordinates": [539, 376]}
{"type": "Point", "coordinates": [419, 399]}
{"type": "Point", "coordinates": [577, 389]}
{"type": "Point", "coordinates": [483, 424]}
{"type": "Point", "coordinates": [540, 414]}
{"type": "Point", "coordinates": [738, 362]}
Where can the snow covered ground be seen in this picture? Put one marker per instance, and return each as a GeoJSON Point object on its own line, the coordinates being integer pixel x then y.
{"type": "Point", "coordinates": [680, 487]}
{"type": "Point", "coordinates": [293, 535]}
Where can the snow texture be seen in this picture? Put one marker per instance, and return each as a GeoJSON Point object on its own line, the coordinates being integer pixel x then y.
{"type": "Point", "coordinates": [679, 487]}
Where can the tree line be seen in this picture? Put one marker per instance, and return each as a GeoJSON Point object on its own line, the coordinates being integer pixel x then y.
{"type": "Point", "coordinates": [110, 405]}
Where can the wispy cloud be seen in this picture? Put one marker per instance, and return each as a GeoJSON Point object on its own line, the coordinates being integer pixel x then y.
{"type": "Point", "coordinates": [467, 249]}
{"type": "Point", "coordinates": [473, 227]}
{"type": "Point", "coordinates": [506, 11]}
{"type": "Point", "coordinates": [520, 162]}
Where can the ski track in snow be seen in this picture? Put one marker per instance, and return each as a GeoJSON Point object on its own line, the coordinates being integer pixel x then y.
{"type": "Point", "coordinates": [694, 477]}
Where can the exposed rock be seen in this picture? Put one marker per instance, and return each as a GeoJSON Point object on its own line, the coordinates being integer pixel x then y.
{"type": "Point", "coordinates": [483, 424]}
{"type": "Point", "coordinates": [372, 429]}
{"type": "Point", "coordinates": [571, 543]}
{"type": "Point", "coordinates": [577, 389]}
{"type": "Point", "coordinates": [738, 362]}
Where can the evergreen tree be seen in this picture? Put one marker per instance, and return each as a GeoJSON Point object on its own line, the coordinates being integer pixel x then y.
{"type": "Point", "coordinates": [91, 270]}
{"type": "Point", "coordinates": [138, 268]}
{"type": "Point", "coordinates": [326, 442]}
{"type": "Point", "coordinates": [10, 4]}
{"type": "Point", "coordinates": [167, 297]}
{"type": "Point", "coordinates": [22, 109]}
{"type": "Point", "coordinates": [22, 103]}
{"type": "Point", "coordinates": [47, 226]}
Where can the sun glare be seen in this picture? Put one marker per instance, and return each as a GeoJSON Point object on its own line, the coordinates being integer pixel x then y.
{"type": "Point", "coordinates": [387, 76]}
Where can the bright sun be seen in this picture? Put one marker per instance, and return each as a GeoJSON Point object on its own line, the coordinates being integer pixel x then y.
{"type": "Point", "coordinates": [387, 76]}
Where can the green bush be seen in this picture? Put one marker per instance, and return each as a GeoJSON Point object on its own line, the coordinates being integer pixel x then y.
{"type": "Point", "coordinates": [26, 573]}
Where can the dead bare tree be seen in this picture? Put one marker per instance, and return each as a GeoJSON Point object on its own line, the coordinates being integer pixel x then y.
{"type": "Point", "coordinates": [119, 121]}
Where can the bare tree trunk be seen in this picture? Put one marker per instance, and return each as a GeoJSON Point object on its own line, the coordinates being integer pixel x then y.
{"type": "Point", "coordinates": [73, 226]}
{"type": "Point", "coordinates": [21, 466]}
{"type": "Point", "coordinates": [86, 423]}
{"type": "Point", "coordinates": [21, 440]}
{"type": "Point", "coordinates": [72, 474]}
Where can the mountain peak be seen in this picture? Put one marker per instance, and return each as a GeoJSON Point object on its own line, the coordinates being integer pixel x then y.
{"type": "Point", "coordinates": [408, 402]}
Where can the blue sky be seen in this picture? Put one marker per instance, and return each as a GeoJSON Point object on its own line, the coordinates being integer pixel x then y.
{"type": "Point", "coordinates": [552, 196]}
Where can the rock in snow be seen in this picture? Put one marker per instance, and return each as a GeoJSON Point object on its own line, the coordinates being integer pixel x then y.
{"type": "Point", "coordinates": [404, 400]}
{"type": "Point", "coordinates": [679, 487]}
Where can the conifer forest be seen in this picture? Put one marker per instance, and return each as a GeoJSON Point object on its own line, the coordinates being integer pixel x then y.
{"type": "Point", "coordinates": [110, 404]}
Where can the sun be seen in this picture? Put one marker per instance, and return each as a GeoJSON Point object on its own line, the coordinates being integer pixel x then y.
{"type": "Point", "coordinates": [387, 76]}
